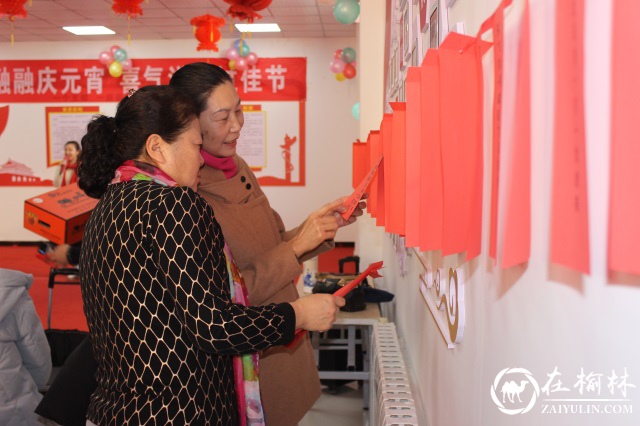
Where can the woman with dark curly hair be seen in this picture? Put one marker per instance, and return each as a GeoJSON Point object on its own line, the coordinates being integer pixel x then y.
{"type": "Point", "coordinates": [174, 339]}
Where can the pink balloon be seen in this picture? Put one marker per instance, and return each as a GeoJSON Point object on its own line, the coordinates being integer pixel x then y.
{"type": "Point", "coordinates": [105, 58]}
{"type": "Point", "coordinates": [126, 64]}
{"type": "Point", "coordinates": [231, 53]}
{"type": "Point", "coordinates": [337, 65]}
{"type": "Point", "coordinates": [337, 54]}
{"type": "Point", "coordinates": [252, 59]}
{"type": "Point", "coordinates": [114, 48]}
{"type": "Point", "coordinates": [241, 63]}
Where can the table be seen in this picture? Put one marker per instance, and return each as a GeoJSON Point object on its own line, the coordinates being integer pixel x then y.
{"type": "Point", "coordinates": [350, 322]}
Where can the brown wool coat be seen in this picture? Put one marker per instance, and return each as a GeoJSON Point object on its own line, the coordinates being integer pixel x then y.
{"type": "Point", "coordinates": [289, 382]}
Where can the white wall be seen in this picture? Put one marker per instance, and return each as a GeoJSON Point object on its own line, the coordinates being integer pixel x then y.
{"type": "Point", "coordinates": [522, 317]}
{"type": "Point", "coordinates": [330, 126]}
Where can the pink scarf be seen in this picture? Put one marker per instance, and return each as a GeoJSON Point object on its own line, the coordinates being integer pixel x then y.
{"type": "Point", "coordinates": [226, 164]}
{"type": "Point", "coordinates": [245, 367]}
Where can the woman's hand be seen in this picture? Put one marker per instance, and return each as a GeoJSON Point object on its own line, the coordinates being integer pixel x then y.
{"type": "Point", "coordinates": [357, 212]}
{"type": "Point", "coordinates": [317, 312]}
{"type": "Point", "coordinates": [320, 226]}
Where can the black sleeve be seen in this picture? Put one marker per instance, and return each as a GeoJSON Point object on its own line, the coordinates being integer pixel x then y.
{"type": "Point", "coordinates": [191, 255]}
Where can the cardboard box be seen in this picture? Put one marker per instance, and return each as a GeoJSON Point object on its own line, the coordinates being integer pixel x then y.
{"type": "Point", "coordinates": [59, 215]}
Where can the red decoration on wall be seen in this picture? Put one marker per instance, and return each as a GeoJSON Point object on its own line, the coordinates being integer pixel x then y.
{"type": "Point", "coordinates": [131, 8]}
{"type": "Point", "coordinates": [246, 10]}
{"type": "Point", "coordinates": [206, 30]}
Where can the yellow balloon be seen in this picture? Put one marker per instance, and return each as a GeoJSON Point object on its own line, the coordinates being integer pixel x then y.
{"type": "Point", "coordinates": [232, 64]}
{"type": "Point", "coordinates": [115, 69]}
{"type": "Point", "coordinates": [340, 77]}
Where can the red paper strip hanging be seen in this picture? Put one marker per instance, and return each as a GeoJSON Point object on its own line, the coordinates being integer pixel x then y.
{"type": "Point", "coordinates": [569, 207]}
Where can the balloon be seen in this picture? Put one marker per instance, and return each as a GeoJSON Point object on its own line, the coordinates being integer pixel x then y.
{"type": "Point", "coordinates": [355, 110]}
{"type": "Point", "coordinates": [252, 59]}
{"type": "Point", "coordinates": [244, 50]}
{"type": "Point", "coordinates": [340, 76]}
{"type": "Point", "coordinates": [348, 55]}
{"type": "Point", "coordinates": [231, 53]}
{"type": "Point", "coordinates": [105, 58]}
{"type": "Point", "coordinates": [238, 43]}
{"type": "Point", "coordinates": [232, 64]}
{"type": "Point", "coordinates": [337, 54]}
{"type": "Point", "coordinates": [126, 64]}
{"type": "Point", "coordinates": [346, 11]}
{"type": "Point", "coordinates": [120, 55]}
{"type": "Point", "coordinates": [115, 69]}
{"type": "Point", "coordinates": [114, 48]}
{"type": "Point", "coordinates": [241, 64]}
{"type": "Point", "coordinates": [349, 71]}
{"type": "Point", "coordinates": [337, 65]}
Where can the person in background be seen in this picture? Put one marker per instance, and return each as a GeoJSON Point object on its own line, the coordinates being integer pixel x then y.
{"type": "Point", "coordinates": [25, 356]}
{"type": "Point", "coordinates": [173, 333]}
{"type": "Point", "coordinates": [67, 172]}
{"type": "Point", "coordinates": [268, 255]}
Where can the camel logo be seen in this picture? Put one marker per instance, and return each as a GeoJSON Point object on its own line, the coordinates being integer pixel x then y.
{"type": "Point", "coordinates": [515, 385]}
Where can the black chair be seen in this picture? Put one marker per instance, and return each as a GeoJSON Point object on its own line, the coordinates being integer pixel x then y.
{"type": "Point", "coordinates": [54, 279]}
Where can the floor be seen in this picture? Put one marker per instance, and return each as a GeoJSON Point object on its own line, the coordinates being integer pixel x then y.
{"type": "Point", "coordinates": [342, 409]}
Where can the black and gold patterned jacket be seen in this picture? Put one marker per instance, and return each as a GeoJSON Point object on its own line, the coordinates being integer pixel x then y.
{"type": "Point", "coordinates": [156, 296]}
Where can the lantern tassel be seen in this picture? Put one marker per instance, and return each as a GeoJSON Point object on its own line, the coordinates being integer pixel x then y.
{"type": "Point", "coordinates": [128, 30]}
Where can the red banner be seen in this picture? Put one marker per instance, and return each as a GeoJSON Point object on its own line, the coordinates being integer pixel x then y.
{"type": "Point", "coordinates": [86, 80]}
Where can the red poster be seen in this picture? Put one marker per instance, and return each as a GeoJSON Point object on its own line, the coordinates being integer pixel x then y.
{"type": "Point", "coordinates": [86, 80]}
{"type": "Point", "coordinates": [431, 190]}
{"type": "Point", "coordinates": [375, 150]}
{"type": "Point", "coordinates": [516, 244]}
{"type": "Point", "coordinates": [569, 214]}
{"type": "Point", "coordinates": [385, 170]}
{"type": "Point", "coordinates": [461, 120]}
{"type": "Point", "coordinates": [414, 142]}
{"type": "Point", "coordinates": [624, 196]}
{"type": "Point", "coordinates": [398, 176]}
{"type": "Point", "coordinates": [360, 162]}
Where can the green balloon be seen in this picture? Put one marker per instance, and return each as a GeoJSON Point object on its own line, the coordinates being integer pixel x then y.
{"type": "Point", "coordinates": [346, 11]}
{"type": "Point", "coordinates": [355, 110]}
{"type": "Point", "coordinates": [348, 55]}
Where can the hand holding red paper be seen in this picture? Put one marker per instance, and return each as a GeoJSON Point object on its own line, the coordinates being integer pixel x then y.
{"type": "Point", "coordinates": [353, 201]}
{"type": "Point", "coordinates": [371, 270]}
{"type": "Point", "coordinates": [316, 229]}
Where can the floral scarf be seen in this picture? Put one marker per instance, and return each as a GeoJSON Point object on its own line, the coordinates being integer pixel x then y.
{"type": "Point", "coordinates": [245, 367]}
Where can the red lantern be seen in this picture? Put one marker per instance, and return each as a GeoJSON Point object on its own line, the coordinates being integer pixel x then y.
{"type": "Point", "coordinates": [131, 8]}
{"type": "Point", "coordinates": [206, 29]}
{"type": "Point", "coordinates": [246, 10]}
{"type": "Point", "coordinates": [13, 9]}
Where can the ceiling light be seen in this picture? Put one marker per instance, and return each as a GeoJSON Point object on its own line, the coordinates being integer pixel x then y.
{"type": "Point", "coordinates": [89, 30]}
{"type": "Point", "coordinates": [258, 28]}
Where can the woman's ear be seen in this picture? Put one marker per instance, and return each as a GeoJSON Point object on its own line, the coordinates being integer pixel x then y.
{"type": "Point", "coordinates": [154, 148]}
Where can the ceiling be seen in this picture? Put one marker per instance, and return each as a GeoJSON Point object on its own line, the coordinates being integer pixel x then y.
{"type": "Point", "coordinates": [167, 19]}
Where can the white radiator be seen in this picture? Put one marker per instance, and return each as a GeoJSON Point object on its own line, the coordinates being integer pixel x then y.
{"type": "Point", "coordinates": [390, 400]}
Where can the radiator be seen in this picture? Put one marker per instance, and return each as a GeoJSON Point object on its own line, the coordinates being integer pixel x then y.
{"type": "Point", "coordinates": [390, 400]}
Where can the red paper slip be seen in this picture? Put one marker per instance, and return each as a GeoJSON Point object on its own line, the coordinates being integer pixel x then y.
{"type": "Point", "coordinates": [354, 199]}
{"type": "Point", "coordinates": [371, 270]}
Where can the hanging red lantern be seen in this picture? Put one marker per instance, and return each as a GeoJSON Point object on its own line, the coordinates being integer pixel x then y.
{"type": "Point", "coordinates": [246, 10]}
{"type": "Point", "coordinates": [13, 9]}
{"type": "Point", "coordinates": [131, 8]}
{"type": "Point", "coordinates": [207, 32]}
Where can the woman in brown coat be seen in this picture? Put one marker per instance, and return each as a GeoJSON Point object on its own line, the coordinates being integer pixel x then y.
{"type": "Point", "coordinates": [267, 254]}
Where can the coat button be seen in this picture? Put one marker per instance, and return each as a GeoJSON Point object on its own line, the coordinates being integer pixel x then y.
{"type": "Point", "coordinates": [243, 179]}
{"type": "Point", "coordinates": [248, 186]}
